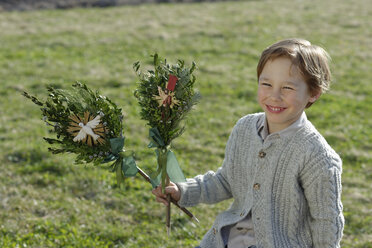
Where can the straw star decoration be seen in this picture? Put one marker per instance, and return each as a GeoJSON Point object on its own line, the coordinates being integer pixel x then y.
{"type": "Point", "coordinates": [167, 97]}
{"type": "Point", "coordinates": [89, 130]}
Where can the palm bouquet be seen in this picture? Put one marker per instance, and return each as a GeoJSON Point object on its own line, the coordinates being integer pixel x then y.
{"type": "Point", "coordinates": [166, 95]}
{"type": "Point", "coordinates": [89, 125]}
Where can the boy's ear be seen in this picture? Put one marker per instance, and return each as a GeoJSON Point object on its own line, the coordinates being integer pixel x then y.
{"type": "Point", "coordinates": [315, 96]}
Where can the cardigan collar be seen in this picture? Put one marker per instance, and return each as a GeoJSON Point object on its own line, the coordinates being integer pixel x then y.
{"type": "Point", "coordinates": [263, 130]}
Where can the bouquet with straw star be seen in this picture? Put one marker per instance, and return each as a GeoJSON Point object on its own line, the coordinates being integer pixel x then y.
{"type": "Point", "coordinates": [166, 95]}
{"type": "Point", "coordinates": [89, 125]}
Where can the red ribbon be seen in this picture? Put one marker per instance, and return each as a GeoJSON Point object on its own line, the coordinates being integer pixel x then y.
{"type": "Point", "coordinates": [172, 82]}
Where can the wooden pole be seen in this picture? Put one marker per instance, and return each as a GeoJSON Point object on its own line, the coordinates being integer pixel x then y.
{"type": "Point", "coordinates": [168, 209]}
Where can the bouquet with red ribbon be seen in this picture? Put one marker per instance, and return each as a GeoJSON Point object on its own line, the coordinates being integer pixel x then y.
{"type": "Point", "coordinates": [166, 95]}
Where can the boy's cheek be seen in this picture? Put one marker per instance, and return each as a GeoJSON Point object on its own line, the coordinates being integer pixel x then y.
{"type": "Point", "coordinates": [260, 95]}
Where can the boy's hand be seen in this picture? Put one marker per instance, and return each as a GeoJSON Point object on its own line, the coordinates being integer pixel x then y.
{"type": "Point", "coordinates": [172, 189]}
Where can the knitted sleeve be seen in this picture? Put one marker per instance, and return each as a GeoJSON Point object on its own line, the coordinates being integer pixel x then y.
{"type": "Point", "coordinates": [321, 180]}
{"type": "Point", "coordinates": [211, 187]}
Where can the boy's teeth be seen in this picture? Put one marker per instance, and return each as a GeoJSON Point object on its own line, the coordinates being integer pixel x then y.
{"type": "Point", "coordinates": [275, 109]}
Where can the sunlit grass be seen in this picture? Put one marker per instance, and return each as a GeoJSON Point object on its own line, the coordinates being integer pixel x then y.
{"type": "Point", "coordinates": [47, 201]}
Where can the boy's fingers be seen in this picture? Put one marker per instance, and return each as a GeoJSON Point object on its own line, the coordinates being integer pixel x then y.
{"type": "Point", "coordinates": [157, 192]}
{"type": "Point", "coordinates": [154, 191]}
{"type": "Point", "coordinates": [160, 196]}
{"type": "Point", "coordinates": [171, 189]}
{"type": "Point", "coordinates": [161, 200]}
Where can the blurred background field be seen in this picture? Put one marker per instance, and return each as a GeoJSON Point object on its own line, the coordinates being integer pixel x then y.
{"type": "Point", "coordinates": [25, 5]}
{"type": "Point", "coordinates": [47, 201]}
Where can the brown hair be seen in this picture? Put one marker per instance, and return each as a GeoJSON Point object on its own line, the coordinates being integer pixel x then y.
{"type": "Point", "coordinates": [311, 60]}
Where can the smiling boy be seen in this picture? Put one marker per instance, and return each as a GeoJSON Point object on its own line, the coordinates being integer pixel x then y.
{"type": "Point", "coordinates": [283, 93]}
{"type": "Point", "coordinates": [284, 177]}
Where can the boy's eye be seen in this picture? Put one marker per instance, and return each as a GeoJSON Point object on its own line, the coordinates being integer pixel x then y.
{"type": "Point", "coordinates": [266, 84]}
{"type": "Point", "coordinates": [288, 88]}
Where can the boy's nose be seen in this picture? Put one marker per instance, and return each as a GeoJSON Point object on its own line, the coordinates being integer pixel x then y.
{"type": "Point", "coordinates": [276, 95]}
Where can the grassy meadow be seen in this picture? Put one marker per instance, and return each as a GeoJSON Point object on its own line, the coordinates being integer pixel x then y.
{"type": "Point", "coordinates": [48, 201]}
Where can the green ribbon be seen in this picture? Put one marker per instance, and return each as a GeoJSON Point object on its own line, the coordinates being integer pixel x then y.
{"type": "Point", "coordinates": [167, 161]}
{"type": "Point", "coordinates": [125, 165]}
{"type": "Point", "coordinates": [155, 138]}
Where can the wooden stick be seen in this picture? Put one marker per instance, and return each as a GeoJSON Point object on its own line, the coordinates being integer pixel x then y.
{"type": "Point", "coordinates": [147, 178]}
{"type": "Point", "coordinates": [168, 209]}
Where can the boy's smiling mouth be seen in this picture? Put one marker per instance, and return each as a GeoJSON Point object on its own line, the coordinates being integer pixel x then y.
{"type": "Point", "coordinates": [274, 109]}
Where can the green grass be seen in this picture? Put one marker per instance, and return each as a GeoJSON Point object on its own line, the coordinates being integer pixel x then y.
{"type": "Point", "coordinates": [47, 201]}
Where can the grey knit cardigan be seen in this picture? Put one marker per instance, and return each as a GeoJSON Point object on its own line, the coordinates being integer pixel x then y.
{"type": "Point", "coordinates": [291, 185]}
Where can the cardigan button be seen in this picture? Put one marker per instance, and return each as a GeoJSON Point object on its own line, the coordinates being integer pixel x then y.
{"type": "Point", "coordinates": [262, 154]}
{"type": "Point", "coordinates": [214, 231]}
{"type": "Point", "coordinates": [256, 186]}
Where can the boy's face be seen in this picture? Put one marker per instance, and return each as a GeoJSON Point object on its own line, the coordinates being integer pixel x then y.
{"type": "Point", "coordinates": [282, 93]}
